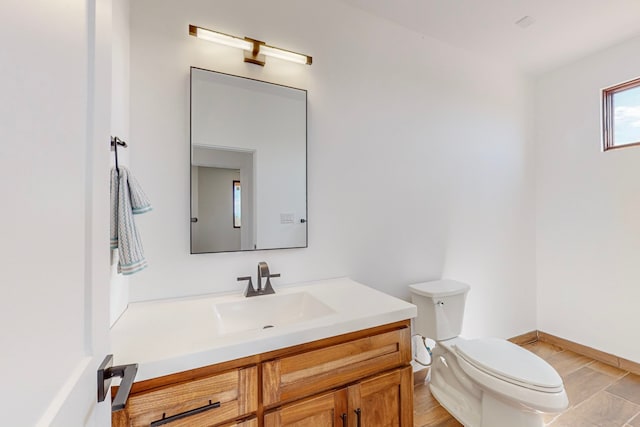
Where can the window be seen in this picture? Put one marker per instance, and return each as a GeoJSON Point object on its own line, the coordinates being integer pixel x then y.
{"type": "Point", "coordinates": [237, 197]}
{"type": "Point", "coordinates": [621, 115]}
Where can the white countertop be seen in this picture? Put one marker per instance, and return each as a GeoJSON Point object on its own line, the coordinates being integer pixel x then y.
{"type": "Point", "coordinates": [175, 335]}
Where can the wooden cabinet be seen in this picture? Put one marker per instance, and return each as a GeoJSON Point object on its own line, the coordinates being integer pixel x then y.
{"type": "Point", "coordinates": [361, 379]}
{"type": "Point", "coordinates": [200, 402]}
{"type": "Point", "coordinates": [382, 401]}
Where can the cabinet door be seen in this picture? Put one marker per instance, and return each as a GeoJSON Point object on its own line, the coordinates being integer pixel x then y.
{"type": "Point", "coordinates": [382, 401]}
{"type": "Point", "coordinates": [327, 410]}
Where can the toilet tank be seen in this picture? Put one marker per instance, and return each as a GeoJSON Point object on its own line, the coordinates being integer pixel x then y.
{"type": "Point", "coordinates": [440, 308]}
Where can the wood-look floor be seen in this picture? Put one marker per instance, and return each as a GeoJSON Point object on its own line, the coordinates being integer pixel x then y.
{"type": "Point", "coordinates": [599, 395]}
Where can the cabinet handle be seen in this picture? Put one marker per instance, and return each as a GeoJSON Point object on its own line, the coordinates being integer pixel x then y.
{"type": "Point", "coordinates": [344, 419]}
{"type": "Point", "coordinates": [358, 412]}
{"type": "Point", "coordinates": [167, 420]}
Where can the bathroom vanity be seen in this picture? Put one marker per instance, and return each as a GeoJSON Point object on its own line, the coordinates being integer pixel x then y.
{"type": "Point", "coordinates": [333, 352]}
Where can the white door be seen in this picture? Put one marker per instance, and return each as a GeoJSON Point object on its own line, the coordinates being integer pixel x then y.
{"type": "Point", "coordinates": [54, 260]}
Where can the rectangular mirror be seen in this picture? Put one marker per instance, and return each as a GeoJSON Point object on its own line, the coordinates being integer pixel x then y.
{"type": "Point", "coordinates": [248, 164]}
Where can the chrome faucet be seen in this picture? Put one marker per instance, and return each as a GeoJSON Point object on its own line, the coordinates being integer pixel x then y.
{"type": "Point", "coordinates": [263, 272]}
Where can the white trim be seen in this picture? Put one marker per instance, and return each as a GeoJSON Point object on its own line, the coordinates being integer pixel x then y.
{"type": "Point", "coordinates": [62, 398]}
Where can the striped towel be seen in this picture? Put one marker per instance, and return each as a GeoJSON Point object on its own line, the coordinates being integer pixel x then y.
{"type": "Point", "coordinates": [127, 199]}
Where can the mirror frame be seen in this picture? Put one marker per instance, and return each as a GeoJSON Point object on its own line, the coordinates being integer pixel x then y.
{"type": "Point", "coordinates": [304, 220]}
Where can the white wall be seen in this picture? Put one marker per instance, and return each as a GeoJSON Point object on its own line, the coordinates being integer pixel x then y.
{"type": "Point", "coordinates": [419, 157]}
{"type": "Point", "coordinates": [588, 205]}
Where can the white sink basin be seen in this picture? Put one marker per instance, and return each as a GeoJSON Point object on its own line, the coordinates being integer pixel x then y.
{"type": "Point", "coordinates": [268, 311]}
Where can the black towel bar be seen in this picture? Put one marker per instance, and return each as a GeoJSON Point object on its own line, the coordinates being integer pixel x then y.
{"type": "Point", "coordinates": [115, 141]}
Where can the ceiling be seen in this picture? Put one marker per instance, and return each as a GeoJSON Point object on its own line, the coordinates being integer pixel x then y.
{"type": "Point", "coordinates": [562, 31]}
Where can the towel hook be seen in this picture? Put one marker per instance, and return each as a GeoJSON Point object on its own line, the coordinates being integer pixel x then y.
{"type": "Point", "coordinates": [115, 141]}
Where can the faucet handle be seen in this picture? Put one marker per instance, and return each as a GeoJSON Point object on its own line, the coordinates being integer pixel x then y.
{"type": "Point", "coordinates": [268, 289]}
{"type": "Point", "coordinates": [250, 291]}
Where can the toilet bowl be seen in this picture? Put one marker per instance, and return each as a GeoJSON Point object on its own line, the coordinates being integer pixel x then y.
{"type": "Point", "coordinates": [485, 382]}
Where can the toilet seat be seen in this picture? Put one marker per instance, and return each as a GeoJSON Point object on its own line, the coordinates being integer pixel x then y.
{"type": "Point", "coordinates": [506, 370]}
{"type": "Point", "coordinates": [511, 363]}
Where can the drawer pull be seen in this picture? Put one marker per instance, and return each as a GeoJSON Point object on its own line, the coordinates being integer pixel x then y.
{"type": "Point", "coordinates": [358, 413]}
{"type": "Point", "coordinates": [167, 420]}
{"type": "Point", "coordinates": [344, 420]}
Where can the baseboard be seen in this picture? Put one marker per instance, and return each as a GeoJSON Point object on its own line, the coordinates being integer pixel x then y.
{"type": "Point", "coordinates": [527, 338]}
{"type": "Point", "coordinates": [601, 356]}
{"type": "Point", "coordinates": [628, 365]}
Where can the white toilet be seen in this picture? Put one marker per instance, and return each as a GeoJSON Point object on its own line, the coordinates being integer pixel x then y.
{"type": "Point", "coordinates": [485, 382]}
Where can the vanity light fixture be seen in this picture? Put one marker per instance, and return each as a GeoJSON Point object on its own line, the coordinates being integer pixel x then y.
{"type": "Point", "coordinates": [254, 50]}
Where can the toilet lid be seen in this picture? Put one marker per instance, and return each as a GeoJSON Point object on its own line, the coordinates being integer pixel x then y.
{"type": "Point", "coordinates": [510, 363]}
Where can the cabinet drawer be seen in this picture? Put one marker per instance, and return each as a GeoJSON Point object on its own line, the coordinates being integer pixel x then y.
{"type": "Point", "coordinates": [315, 371]}
{"type": "Point", "coordinates": [202, 402]}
